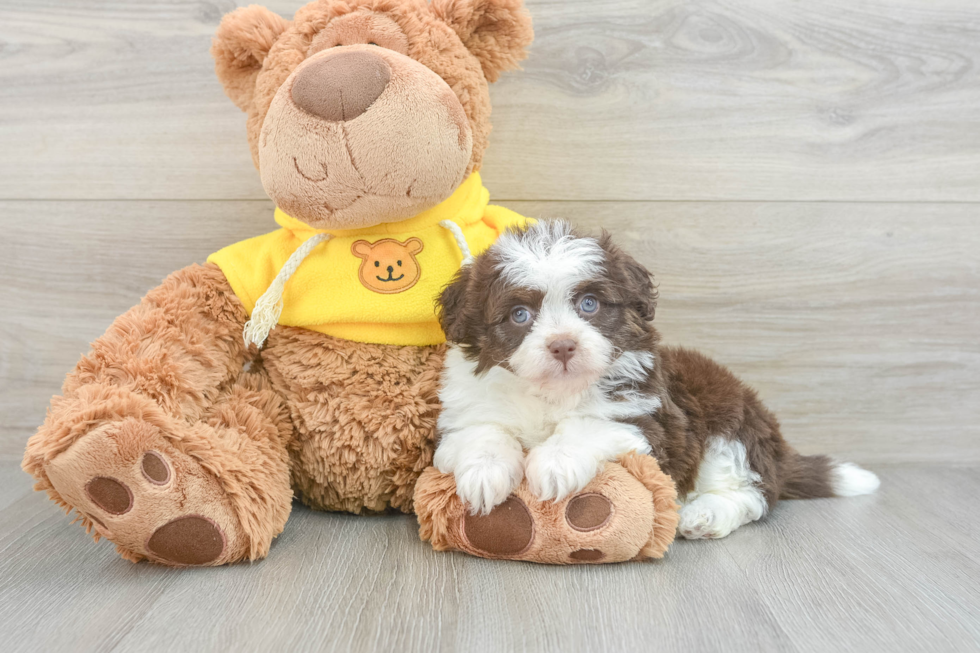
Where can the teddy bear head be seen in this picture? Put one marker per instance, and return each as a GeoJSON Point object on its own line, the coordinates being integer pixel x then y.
{"type": "Point", "coordinates": [368, 111]}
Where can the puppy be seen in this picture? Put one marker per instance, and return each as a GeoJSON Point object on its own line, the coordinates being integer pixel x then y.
{"type": "Point", "coordinates": [553, 352]}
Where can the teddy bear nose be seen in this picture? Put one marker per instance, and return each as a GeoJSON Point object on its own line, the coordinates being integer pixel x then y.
{"type": "Point", "coordinates": [341, 87]}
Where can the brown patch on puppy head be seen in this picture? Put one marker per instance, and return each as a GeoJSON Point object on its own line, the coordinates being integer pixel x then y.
{"type": "Point", "coordinates": [633, 278]}
{"type": "Point", "coordinates": [393, 168]}
{"type": "Point", "coordinates": [627, 300]}
{"type": "Point", "coordinates": [475, 312]}
{"type": "Point", "coordinates": [388, 266]}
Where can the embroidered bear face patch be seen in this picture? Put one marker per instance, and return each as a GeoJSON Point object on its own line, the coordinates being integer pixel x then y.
{"type": "Point", "coordinates": [388, 266]}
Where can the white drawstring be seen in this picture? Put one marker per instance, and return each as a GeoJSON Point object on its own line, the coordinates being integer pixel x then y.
{"type": "Point", "coordinates": [460, 239]}
{"type": "Point", "coordinates": [265, 315]}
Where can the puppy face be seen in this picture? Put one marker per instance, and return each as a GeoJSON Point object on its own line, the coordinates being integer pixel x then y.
{"type": "Point", "coordinates": [554, 308]}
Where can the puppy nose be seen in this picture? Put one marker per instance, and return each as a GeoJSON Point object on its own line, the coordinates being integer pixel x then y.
{"type": "Point", "coordinates": [341, 87]}
{"type": "Point", "coordinates": [563, 350]}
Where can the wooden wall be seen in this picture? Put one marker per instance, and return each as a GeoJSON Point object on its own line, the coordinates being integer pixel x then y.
{"type": "Point", "coordinates": [803, 179]}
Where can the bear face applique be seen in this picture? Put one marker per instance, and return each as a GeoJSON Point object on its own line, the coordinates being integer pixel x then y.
{"type": "Point", "coordinates": [388, 266]}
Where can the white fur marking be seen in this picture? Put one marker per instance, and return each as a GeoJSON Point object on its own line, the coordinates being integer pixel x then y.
{"type": "Point", "coordinates": [849, 480]}
{"type": "Point", "coordinates": [725, 495]}
{"type": "Point", "coordinates": [570, 458]}
{"type": "Point", "coordinates": [548, 257]}
{"type": "Point", "coordinates": [487, 463]}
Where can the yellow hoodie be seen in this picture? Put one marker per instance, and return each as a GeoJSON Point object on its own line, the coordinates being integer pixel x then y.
{"type": "Point", "coordinates": [377, 284]}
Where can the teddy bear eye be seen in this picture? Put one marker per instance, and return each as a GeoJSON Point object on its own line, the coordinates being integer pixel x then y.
{"type": "Point", "coordinates": [371, 43]}
{"type": "Point", "coordinates": [377, 264]}
{"type": "Point", "coordinates": [399, 263]}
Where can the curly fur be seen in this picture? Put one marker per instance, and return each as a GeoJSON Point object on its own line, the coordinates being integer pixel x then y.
{"type": "Point", "coordinates": [364, 417]}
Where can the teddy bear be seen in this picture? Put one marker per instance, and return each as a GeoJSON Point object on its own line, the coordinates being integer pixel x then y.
{"type": "Point", "coordinates": [305, 362]}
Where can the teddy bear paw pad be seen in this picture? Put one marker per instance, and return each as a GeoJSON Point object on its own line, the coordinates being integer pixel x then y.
{"type": "Point", "coordinates": [187, 540]}
{"type": "Point", "coordinates": [588, 512]}
{"type": "Point", "coordinates": [147, 497]}
{"type": "Point", "coordinates": [110, 495]}
{"type": "Point", "coordinates": [506, 531]}
{"type": "Point", "coordinates": [155, 468]}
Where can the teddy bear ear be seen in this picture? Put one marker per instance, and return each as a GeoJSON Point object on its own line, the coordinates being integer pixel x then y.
{"type": "Point", "coordinates": [240, 45]}
{"type": "Point", "coordinates": [497, 32]}
{"type": "Point", "coordinates": [361, 249]}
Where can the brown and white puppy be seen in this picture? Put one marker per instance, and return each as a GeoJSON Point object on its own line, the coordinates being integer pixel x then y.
{"type": "Point", "coordinates": [554, 352]}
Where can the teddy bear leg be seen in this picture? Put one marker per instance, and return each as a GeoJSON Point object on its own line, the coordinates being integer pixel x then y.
{"type": "Point", "coordinates": [208, 493]}
{"type": "Point", "coordinates": [627, 512]}
{"type": "Point", "coordinates": [159, 440]}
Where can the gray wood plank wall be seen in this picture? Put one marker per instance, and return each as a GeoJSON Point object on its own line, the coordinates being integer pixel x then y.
{"type": "Point", "coordinates": [802, 178]}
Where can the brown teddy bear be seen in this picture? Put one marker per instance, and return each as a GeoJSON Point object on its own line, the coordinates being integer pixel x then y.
{"type": "Point", "coordinates": [307, 360]}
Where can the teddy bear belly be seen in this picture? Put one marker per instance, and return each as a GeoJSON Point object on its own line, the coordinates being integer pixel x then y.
{"type": "Point", "coordinates": [364, 417]}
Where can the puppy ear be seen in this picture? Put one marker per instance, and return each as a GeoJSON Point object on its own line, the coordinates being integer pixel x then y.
{"type": "Point", "coordinates": [637, 282]}
{"type": "Point", "coordinates": [240, 45]}
{"type": "Point", "coordinates": [642, 291]}
{"type": "Point", "coordinates": [452, 306]}
{"type": "Point", "coordinates": [497, 32]}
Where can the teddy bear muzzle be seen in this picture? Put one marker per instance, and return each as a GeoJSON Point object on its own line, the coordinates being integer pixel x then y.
{"type": "Point", "coordinates": [359, 135]}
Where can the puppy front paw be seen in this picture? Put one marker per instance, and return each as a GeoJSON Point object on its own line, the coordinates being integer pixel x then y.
{"type": "Point", "coordinates": [486, 482]}
{"type": "Point", "coordinates": [555, 472]}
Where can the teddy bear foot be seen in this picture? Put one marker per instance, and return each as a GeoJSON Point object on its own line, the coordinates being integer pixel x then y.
{"type": "Point", "coordinates": [130, 485]}
{"type": "Point", "coordinates": [627, 512]}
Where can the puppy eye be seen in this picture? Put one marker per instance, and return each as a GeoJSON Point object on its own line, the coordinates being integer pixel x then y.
{"type": "Point", "coordinates": [520, 315]}
{"type": "Point", "coordinates": [589, 304]}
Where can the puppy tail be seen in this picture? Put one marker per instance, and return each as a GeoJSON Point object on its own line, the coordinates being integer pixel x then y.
{"type": "Point", "coordinates": [813, 477]}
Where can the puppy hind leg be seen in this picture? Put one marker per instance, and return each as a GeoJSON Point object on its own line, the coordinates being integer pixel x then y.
{"type": "Point", "coordinates": [726, 493]}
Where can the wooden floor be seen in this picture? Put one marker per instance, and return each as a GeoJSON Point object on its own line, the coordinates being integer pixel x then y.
{"type": "Point", "coordinates": [802, 177]}
{"type": "Point", "coordinates": [892, 572]}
